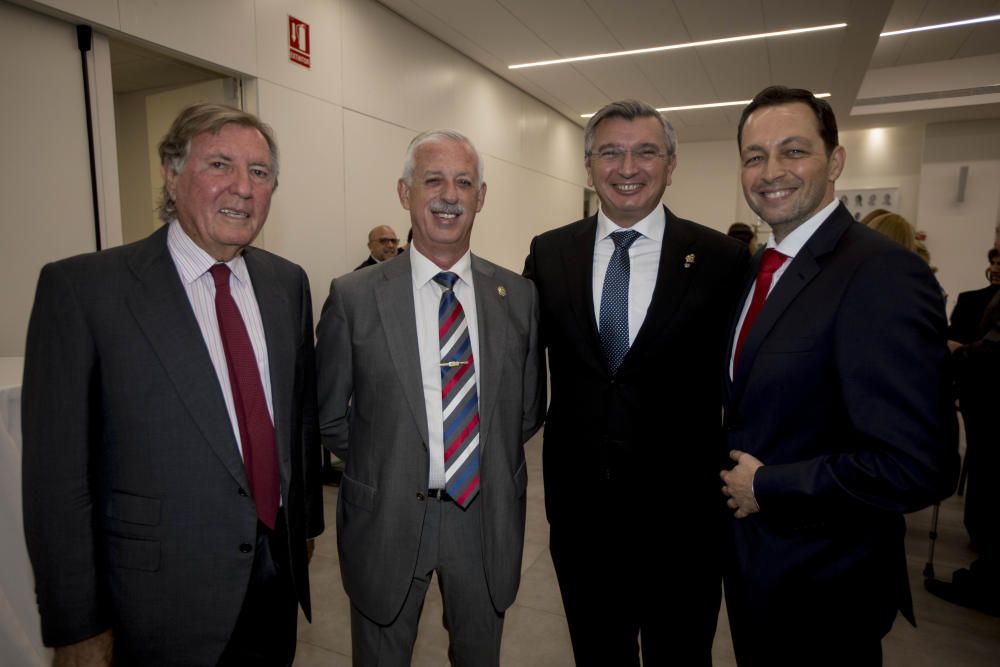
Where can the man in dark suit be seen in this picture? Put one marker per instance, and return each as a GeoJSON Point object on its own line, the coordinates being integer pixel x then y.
{"type": "Point", "coordinates": [970, 306]}
{"type": "Point", "coordinates": [838, 412]}
{"type": "Point", "coordinates": [977, 370]}
{"type": "Point", "coordinates": [171, 451]}
{"type": "Point", "coordinates": [383, 244]}
{"type": "Point", "coordinates": [635, 306]}
{"type": "Point", "coordinates": [430, 381]}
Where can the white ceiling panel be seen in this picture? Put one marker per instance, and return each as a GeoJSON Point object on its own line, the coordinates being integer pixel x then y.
{"type": "Point", "coordinates": [570, 27]}
{"type": "Point", "coordinates": [497, 33]}
{"type": "Point", "coordinates": [640, 24]}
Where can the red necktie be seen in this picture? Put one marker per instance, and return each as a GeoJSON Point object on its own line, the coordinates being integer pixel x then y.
{"type": "Point", "coordinates": [256, 430]}
{"type": "Point", "coordinates": [770, 262]}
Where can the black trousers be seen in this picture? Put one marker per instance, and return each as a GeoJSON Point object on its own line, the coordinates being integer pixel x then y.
{"type": "Point", "coordinates": [265, 631]}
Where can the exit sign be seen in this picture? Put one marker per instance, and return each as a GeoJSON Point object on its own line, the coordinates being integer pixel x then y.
{"type": "Point", "coordinates": [298, 42]}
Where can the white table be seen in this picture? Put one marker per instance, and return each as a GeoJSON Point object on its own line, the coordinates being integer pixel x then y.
{"type": "Point", "coordinates": [20, 630]}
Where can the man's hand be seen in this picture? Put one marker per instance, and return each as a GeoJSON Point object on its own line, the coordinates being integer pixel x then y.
{"type": "Point", "coordinates": [737, 484]}
{"type": "Point", "coordinates": [93, 652]}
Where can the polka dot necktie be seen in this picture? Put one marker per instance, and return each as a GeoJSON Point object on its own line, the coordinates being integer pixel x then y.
{"type": "Point", "coordinates": [459, 400]}
{"type": "Point", "coordinates": [613, 325]}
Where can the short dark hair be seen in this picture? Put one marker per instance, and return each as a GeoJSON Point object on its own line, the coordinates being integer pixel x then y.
{"type": "Point", "coordinates": [629, 110]}
{"type": "Point", "coordinates": [774, 96]}
{"type": "Point", "coordinates": [993, 253]}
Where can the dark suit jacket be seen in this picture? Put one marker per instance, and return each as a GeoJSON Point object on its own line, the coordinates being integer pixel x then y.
{"type": "Point", "coordinates": [368, 262]}
{"type": "Point", "coordinates": [968, 313]}
{"type": "Point", "coordinates": [842, 392]}
{"type": "Point", "coordinates": [136, 506]}
{"type": "Point", "coordinates": [372, 416]}
{"type": "Point", "coordinates": [655, 425]}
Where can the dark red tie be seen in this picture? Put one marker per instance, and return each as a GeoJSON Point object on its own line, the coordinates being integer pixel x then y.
{"type": "Point", "coordinates": [256, 430]}
{"type": "Point", "coordinates": [770, 262]}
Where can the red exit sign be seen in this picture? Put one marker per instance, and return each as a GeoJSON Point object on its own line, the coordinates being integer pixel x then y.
{"type": "Point", "coordinates": [298, 42]}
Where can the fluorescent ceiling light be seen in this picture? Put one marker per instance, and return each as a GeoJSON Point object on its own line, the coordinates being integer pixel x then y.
{"type": "Point", "coordinates": [704, 106]}
{"type": "Point", "coordinates": [686, 45]}
{"type": "Point", "coordinates": [953, 24]}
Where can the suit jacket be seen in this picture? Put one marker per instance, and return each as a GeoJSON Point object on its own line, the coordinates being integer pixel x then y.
{"type": "Point", "coordinates": [968, 313]}
{"type": "Point", "coordinates": [368, 262]}
{"type": "Point", "coordinates": [842, 392]}
{"type": "Point", "coordinates": [372, 415]}
{"type": "Point", "coordinates": [136, 509]}
{"type": "Point", "coordinates": [658, 418]}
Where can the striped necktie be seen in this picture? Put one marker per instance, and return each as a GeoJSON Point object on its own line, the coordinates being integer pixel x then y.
{"type": "Point", "coordinates": [459, 400]}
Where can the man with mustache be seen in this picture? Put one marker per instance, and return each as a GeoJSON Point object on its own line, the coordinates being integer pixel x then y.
{"type": "Point", "coordinates": [431, 380]}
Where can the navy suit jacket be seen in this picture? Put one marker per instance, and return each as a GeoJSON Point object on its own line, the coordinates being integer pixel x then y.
{"type": "Point", "coordinates": [842, 392]}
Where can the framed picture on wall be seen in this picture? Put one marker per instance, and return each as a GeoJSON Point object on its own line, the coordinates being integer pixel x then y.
{"type": "Point", "coordinates": [862, 202]}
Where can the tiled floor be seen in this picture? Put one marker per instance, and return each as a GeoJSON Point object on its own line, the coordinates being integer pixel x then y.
{"type": "Point", "coordinates": [535, 628]}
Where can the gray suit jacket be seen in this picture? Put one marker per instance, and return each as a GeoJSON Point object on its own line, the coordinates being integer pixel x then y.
{"type": "Point", "coordinates": [135, 497]}
{"type": "Point", "coordinates": [372, 415]}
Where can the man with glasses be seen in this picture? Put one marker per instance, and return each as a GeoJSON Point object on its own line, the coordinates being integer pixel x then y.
{"type": "Point", "coordinates": [383, 244]}
{"type": "Point", "coordinates": [635, 307]}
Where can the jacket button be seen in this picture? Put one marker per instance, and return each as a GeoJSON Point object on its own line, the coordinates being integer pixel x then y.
{"type": "Point", "coordinates": [420, 496]}
{"type": "Point", "coordinates": [243, 493]}
{"type": "Point", "coordinates": [246, 548]}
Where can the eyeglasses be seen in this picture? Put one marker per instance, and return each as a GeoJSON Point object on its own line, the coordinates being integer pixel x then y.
{"type": "Point", "coordinates": [387, 241]}
{"type": "Point", "coordinates": [616, 154]}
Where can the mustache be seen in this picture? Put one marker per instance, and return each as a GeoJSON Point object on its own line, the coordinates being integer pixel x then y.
{"type": "Point", "coordinates": [438, 206]}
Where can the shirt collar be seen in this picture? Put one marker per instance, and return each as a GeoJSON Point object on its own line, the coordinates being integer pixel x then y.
{"type": "Point", "coordinates": [651, 226]}
{"type": "Point", "coordinates": [423, 270]}
{"type": "Point", "coordinates": [794, 242]}
{"type": "Point", "coordinates": [195, 261]}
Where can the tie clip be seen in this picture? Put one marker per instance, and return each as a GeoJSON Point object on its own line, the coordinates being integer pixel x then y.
{"type": "Point", "coordinates": [453, 364]}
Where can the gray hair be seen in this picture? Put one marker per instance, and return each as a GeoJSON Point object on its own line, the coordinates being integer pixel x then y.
{"type": "Point", "coordinates": [198, 119]}
{"type": "Point", "coordinates": [431, 136]}
{"type": "Point", "coordinates": [629, 110]}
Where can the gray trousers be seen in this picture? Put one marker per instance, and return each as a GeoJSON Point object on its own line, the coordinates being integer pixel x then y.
{"type": "Point", "coordinates": [451, 545]}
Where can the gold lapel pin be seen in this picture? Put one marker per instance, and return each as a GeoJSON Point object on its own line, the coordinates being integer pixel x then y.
{"type": "Point", "coordinates": [688, 261]}
{"type": "Point", "coordinates": [502, 291]}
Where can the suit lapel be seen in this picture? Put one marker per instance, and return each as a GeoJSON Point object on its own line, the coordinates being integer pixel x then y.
{"type": "Point", "coordinates": [161, 307]}
{"type": "Point", "coordinates": [394, 300]}
{"type": "Point", "coordinates": [678, 263]}
{"type": "Point", "coordinates": [578, 264]}
{"type": "Point", "coordinates": [804, 267]}
{"type": "Point", "coordinates": [279, 333]}
{"type": "Point", "coordinates": [492, 320]}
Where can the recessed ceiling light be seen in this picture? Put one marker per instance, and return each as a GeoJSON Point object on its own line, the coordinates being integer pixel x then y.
{"type": "Point", "coordinates": [686, 45]}
{"type": "Point", "coordinates": [704, 106]}
{"type": "Point", "coordinates": [953, 24]}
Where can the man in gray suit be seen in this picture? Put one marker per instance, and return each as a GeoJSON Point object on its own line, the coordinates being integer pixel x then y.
{"type": "Point", "coordinates": [171, 448]}
{"type": "Point", "coordinates": [430, 380]}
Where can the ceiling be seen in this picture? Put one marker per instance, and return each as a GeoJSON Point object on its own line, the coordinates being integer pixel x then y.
{"type": "Point", "coordinates": [931, 76]}
{"type": "Point", "coordinates": [137, 68]}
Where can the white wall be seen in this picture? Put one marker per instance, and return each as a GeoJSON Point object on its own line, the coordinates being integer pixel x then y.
{"type": "Point", "coordinates": [706, 184]}
{"type": "Point", "coordinates": [343, 125]}
{"type": "Point", "coordinates": [959, 234]}
{"type": "Point", "coordinates": [45, 190]}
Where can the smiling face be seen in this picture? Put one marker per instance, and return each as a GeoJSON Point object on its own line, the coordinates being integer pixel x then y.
{"type": "Point", "coordinates": [382, 243]}
{"type": "Point", "coordinates": [629, 189]}
{"type": "Point", "coordinates": [223, 192]}
{"type": "Point", "coordinates": [443, 197]}
{"type": "Point", "coordinates": [787, 176]}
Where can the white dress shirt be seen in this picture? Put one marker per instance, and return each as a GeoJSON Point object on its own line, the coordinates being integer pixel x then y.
{"type": "Point", "coordinates": [426, 300]}
{"type": "Point", "coordinates": [193, 266]}
{"type": "Point", "coordinates": [790, 247]}
{"type": "Point", "coordinates": [644, 261]}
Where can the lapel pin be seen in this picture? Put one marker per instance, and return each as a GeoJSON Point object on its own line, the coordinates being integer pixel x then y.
{"type": "Point", "coordinates": [502, 291]}
{"type": "Point", "coordinates": [688, 261]}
